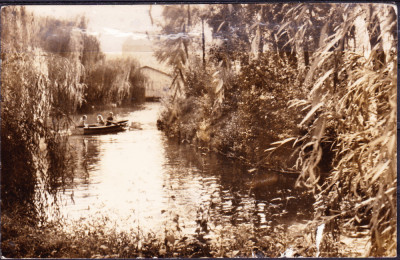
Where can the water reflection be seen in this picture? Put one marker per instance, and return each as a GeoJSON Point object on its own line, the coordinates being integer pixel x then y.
{"type": "Point", "coordinates": [140, 179]}
{"type": "Point", "coordinates": [225, 189]}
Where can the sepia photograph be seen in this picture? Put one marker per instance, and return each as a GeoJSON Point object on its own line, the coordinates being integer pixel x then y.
{"type": "Point", "coordinates": [199, 130]}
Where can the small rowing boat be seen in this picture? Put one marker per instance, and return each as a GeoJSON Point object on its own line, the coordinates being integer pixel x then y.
{"type": "Point", "coordinates": [104, 129]}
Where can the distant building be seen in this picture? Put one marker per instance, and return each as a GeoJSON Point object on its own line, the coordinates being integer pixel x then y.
{"type": "Point", "coordinates": [158, 83]}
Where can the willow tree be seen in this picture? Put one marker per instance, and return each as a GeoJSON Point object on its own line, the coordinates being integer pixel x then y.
{"type": "Point", "coordinates": [351, 109]}
{"type": "Point", "coordinates": [40, 88]}
{"type": "Point", "coordinates": [114, 81]}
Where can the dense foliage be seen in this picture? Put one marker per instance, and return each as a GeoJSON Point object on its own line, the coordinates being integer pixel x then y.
{"type": "Point", "coordinates": [46, 76]}
{"type": "Point", "coordinates": [36, 99]}
{"type": "Point", "coordinates": [116, 81]}
{"type": "Point", "coordinates": [302, 87]}
{"type": "Point", "coordinates": [98, 240]}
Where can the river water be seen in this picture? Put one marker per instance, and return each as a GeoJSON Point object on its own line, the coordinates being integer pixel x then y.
{"type": "Point", "coordinates": [139, 179]}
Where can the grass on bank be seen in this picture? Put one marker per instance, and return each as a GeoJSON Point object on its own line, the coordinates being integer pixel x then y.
{"type": "Point", "coordinates": [21, 238]}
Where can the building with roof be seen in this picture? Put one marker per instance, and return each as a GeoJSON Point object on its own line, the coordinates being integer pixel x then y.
{"type": "Point", "coordinates": [158, 83]}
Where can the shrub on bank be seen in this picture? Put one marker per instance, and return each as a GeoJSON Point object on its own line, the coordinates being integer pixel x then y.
{"type": "Point", "coordinates": [253, 112]}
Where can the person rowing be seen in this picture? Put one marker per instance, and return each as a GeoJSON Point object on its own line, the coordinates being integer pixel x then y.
{"type": "Point", "coordinates": [110, 119]}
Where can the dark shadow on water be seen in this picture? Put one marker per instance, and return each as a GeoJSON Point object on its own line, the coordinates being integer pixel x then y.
{"type": "Point", "coordinates": [232, 195]}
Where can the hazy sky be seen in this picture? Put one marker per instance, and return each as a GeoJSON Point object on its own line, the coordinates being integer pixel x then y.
{"type": "Point", "coordinates": [113, 24]}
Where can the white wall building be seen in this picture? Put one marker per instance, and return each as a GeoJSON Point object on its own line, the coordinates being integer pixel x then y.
{"type": "Point", "coordinates": [158, 83]}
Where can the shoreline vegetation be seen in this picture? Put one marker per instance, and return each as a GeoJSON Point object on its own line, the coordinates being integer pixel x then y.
{"type": "Point", "coordinates": [319, 100]}
{"type": "Point", "coordinates": [314, 96]}
{"type": "Point", "coordinates": [95, 240]}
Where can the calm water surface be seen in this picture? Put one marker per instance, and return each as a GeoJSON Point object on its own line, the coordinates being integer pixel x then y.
{"type": "Point", "coordinates": [138, 179]}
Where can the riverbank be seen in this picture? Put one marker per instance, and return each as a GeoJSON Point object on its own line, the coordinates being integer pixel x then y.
{"type": "Point", "coordinates": [22, 240]}
{"type": "Point", "coordinates": [233, 133]}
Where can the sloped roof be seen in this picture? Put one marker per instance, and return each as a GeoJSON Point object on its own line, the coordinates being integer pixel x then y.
{"type": "Point", "coordinates": [156, 70]}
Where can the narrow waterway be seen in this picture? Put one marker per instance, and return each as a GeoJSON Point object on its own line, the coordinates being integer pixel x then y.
{"type": "Point", "coordinates": [140, 180]}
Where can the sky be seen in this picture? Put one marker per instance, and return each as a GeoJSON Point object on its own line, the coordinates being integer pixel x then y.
{"type": "Point", "coordinates": [115, 24]}
{"type": "Point", "coordinates": [112, 24]}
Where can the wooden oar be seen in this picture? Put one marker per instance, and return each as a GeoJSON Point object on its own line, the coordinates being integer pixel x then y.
{"type": "Point", "coordinates": [118, 122]}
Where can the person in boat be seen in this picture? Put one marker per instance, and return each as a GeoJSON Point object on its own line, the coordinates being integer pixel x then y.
{"type": "Point", "coordinates": [82, 121]}
{"type": "Point", "coordinates": [110, 118]}
{"type": "Point", "coordinates": [100, 120]}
